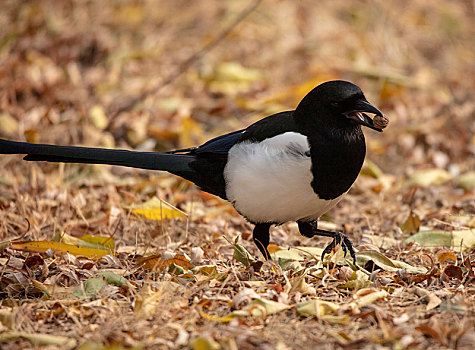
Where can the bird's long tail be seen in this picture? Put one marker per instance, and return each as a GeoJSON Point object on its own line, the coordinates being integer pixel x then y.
{"type": "Point", "coordinates": [174, 163]}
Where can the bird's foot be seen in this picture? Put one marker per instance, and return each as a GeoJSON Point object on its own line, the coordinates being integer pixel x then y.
{"type": "Point", "coordinates": [346, 245]}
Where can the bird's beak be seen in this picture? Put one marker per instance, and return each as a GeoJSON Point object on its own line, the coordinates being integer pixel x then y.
{"type": "Point", "coordinates": [358, 115]}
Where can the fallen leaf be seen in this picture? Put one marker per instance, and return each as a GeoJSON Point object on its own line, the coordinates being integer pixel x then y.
{"type": "Point", "coordinates": [202, 343]}
{"type": "Point", "coordinates": [8, 124]}
{"type": "Point", "coordinates": [412, 223]}
{"type": "Point", "coordinates": [39, 339]}
{"type": "Point", "coordinates": [362, 258]}
{"type": "Point", "coordinates": [156, 263]}
{"type": "Point", "coordinates": [432, 300]}
{"type": "Point", "coordinates": [444, 256]}
{"type": "Point", "coordinates": [156, 209]}
{"type": "Point", "coordinates": [301, 286]}
{"type": "Point", "coordinates": [429, 331]}
{"type": "Point", "coordinates": [466, 181]}
{"type": "Point", "coordinates": [368, 299]}
{"type": "Point", "coordinates": [89, 288]}
{"type": "Point", "coordinates": [453, 271]}
{"type": "Point", "coordinates": [59, 248]}
{"type": "Point", "coordinates": [429, 177]}
{"type": "Point", "coordinates": [242, 255]}
{"type": "Point", "coordinates": [98, 117]}
{"type": "Point", "coordinates": [455, 239]}
{"type": "Point", "coordinates": [87, 241]}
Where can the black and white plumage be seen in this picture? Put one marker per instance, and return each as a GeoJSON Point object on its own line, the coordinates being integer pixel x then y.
{"type": "Point", "coordinates": [291, 166]}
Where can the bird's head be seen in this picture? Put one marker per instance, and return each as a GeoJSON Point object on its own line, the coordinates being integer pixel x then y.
{"type": "Point", "coordinates": [338, 104]}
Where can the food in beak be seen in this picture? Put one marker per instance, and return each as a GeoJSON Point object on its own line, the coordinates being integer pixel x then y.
{"type": "Point", "coordinates": [380, 121]}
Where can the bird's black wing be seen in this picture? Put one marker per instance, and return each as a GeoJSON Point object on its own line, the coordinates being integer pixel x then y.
{"type": "Point", "coordinates": [270, 126]}
{"type": "Point", "coordinates": [212, 156]}
{"type": "Point", "coordinates": [209, 162]}
{"type": "Point", "coordinates": [218, 145]}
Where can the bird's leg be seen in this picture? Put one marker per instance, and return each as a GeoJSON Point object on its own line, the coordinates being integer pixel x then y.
{"type": "Point", "coordinates": [310, 229]}
{"type": "Point", "coordinates": [261, 237]}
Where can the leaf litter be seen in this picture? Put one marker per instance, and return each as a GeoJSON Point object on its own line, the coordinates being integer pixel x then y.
{"type": "Point", "coordinates": [124, 258]}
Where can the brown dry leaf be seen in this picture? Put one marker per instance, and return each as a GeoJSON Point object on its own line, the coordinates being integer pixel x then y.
{"type": "Point", "coordinates": [432, 300]}
{"type": "Point", "coordinates": [156, 263]}
{"type": "Point", "coordinates": [453, 271]}
{"type": "Point", "coordinates": [52, 247]}
{"type": "Point", "coordinates": [151, 299]}
{"type": "Point", "coordinates": [412, 223]}
{"type": "Point", "coordinates": [429, 331]}
{"type": "Point", "coordinates": [301, 286]}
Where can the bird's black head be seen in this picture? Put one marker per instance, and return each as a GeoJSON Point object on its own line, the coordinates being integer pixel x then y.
{"type": "Point", "coordinates": [337, 105]}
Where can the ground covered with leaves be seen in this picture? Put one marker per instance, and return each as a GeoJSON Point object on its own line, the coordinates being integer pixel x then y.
{"type": "Point", "coordinates": [98, 257]}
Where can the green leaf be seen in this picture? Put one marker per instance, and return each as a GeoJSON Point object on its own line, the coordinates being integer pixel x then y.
{"type": "Point", "coordinates": [385, 263]}
{"type": "Point", "coordinates": [89, 289]}
{"type": "Point", "coordinates": [113, 278]}
{"type": "Point", "coordinates": [454, 239]}
{"type": "Point", "coordinates": [242, 255]}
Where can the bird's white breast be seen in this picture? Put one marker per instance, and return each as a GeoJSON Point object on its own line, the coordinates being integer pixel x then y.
{"type": "Point", "coordinates": [270, 181]}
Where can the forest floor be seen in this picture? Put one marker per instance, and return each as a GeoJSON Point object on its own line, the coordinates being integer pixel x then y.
{"type": "Point", "coordinates": [99, 257]}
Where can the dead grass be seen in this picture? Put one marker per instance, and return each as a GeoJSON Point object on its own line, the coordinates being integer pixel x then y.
{"type": "Point", "coordinates": [66, 67]}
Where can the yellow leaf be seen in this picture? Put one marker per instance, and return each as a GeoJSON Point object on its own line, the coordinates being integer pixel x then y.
{"type": "Point", "coordinates": [444, 256]}
{"type": "Point", "coordinates": [467, 181]}
{"type": "Point", "coordinates": [429, 177]}
{"type": "Point", "coordinates": [224, 319]}
{"type": "Point", "coordinates": [98, 117]}
{"type": "Point", "coordinates": [316, 308]}
{"type": "Point", "coordinates": [59, 248]}
{"type": "Point", "coordinates": [371, 169]}
{"type": "Point", "coordinates": [202, 343]}
{"type": "Point", "coordinates": [191, 132]}
{"type": "Point", "coordinates": [156, 209]}
{"type": "Point", "coordinates": [272, 248]}
{"type": "Point", "coordinates": [86, 241]}
{"type": "Point", "coordinates": [8, 124]}
{"type": "Point", "coordinates": [104, 241]}
{"type": "Point", "coordinates": [368, 299]}
{"type": "Point", "coordinates": [40, 339]}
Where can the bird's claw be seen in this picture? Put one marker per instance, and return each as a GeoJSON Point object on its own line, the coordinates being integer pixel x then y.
{"type": "Point", "coordinates": [346, 245]}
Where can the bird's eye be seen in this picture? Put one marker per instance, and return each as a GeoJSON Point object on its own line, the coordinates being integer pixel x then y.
{"type": "Point", "coordinates": [334, 104]}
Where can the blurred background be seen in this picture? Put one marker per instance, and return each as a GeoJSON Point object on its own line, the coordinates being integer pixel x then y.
{"type": "Point", "coordinates": [158, 75]}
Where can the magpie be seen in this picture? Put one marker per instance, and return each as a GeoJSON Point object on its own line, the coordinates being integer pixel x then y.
{"type": "Point", "coordinates": [290, 166]}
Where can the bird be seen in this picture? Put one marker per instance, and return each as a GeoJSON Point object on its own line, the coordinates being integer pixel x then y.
{"type": "Point", "coordinates": [291, 166]}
